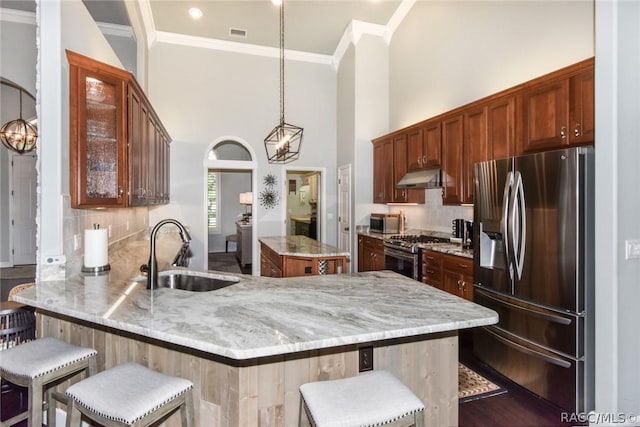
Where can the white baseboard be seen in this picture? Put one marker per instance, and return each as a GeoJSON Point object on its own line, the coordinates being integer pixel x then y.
{"type": "Point", "coordinates": [5, 264]}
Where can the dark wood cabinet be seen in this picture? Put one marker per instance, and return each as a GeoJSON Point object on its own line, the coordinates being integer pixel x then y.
{"type": "Point", "coordinates": [382, 170]}
{"type": "Point", "coordinates": [559, 109]}
{"type": "Point", "coordinates": [457, 276]}
{"type": "Point", "coordinates": [476, 148]}
{"type": "Point", "coordinates": [450, 273]}
{"type": "Point", "coordinates": [501, 126]}
{"type": "Point", "coordinates": [452, 154]}
{"type": "Point", "coordinates": [403, 195]}
{"type": "Point", "coordinates": [119, 150]}
{"type": "Point", "coordinates": [550, 112]}
{"type": "Point", "coordinates": [424, 145]}
{"type": "Point", "coordinates": [370, 253]}
{"type": "Point", "coordinates": [97, 133]}
{"type": "Point", "coordinates": [389, 165]}
{"type": "Point", "coordinates": [432, 268]}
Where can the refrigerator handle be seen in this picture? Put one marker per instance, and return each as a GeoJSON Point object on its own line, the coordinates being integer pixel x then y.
{"type": "Point", "coordinates": [519, 225]}
{"type": "Point", "coordinates": [504, 222]}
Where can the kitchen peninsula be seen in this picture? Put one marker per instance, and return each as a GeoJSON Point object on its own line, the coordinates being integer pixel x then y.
{"type": "Point", "coordinates": [248, 347]}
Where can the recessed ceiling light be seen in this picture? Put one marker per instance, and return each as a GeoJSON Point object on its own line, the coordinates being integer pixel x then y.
{"type": "Point", "coordinates": [276, 2]}
{"type": "Point", "coordinates": [195, 13]}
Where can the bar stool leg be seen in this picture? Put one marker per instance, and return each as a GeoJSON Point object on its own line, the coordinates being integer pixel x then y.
{"type": "Point", "coordinates": [73, 414]}
{"type": "Point", "coordinates": [35, 403]}
{"type": "Point", "coordinates": [51, 407]}
{"type": "Point", "coordinates": [186, 410]}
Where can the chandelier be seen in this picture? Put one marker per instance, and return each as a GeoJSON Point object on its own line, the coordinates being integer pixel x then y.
{"type": "Point", "coordinates": [284, 141]}
{"type": "Point", "coordinates": [18, 135]}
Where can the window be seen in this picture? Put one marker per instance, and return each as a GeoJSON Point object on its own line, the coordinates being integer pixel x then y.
{"type": "Point", "coordinates": [213, 221]}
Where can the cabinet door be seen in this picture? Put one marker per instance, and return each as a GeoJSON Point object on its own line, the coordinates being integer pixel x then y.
{"type": "Point", "coordinates": [361, 255]}
{"type": "Point", "coordinates": [138, 116]}
{"type": "Point", "coordinates": [452, 150]}
{"type": "Point", "coordinates": [403, 195]}
{"type": "Point", "coordinates": [582, 108]}
{"type": "Point", "coordinates": [414, 149]}
{"type": "Point", "coordinates": [432, 140]}
{"type": "Point", "coordinates": [383, 171]}
{"type": "Point", "coordinates": [475, 146]}
{"type": "Point", "coordinates": [546, 114]}
{"type": "Point", "coordinates": [501, 119]}
{"type": "Point", "coordinates": [97, 132]}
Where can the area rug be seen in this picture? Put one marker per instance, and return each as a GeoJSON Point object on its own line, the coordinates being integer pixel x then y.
{"type": "Point", "coordinates": [472, 386]}
{"type": "Point", "coordinates": [222, 261]}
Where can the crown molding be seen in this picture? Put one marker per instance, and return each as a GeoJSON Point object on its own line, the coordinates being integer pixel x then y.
{"type": "Point", "coordinates": [237, 47]}
{"type": "Point", "coordinates": [147, 22]}
{"type": "Point", "coordinates": [398, 16]}
{"type": "Point", "coordinates": [17, 16]}
{"type": "Point", "coordinates": [116, 30]}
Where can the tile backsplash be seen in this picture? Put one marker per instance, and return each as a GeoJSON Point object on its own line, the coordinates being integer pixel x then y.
{"type": "Point", "coordinates": [121, 223]}
{"type": "Point", "coordinates": [433, 215]}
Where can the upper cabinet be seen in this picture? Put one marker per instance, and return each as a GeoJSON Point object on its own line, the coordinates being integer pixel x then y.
{"type": "Point", "coordinates": [119, 150]}
{"type": "Point", "coordinates": [559, 109]}
{"type": "Point", "coordinates": [389, 165]}
{"type": "Point", "coordinates": [424, 145]}
{"type": "Point", "coordinates": [550, 112]}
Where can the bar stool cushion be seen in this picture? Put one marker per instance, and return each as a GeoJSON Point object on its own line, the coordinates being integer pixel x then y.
{"type": "Point", "coordinates": [41, 357]}
{"type": "Point", "coordinates": [127, 393]}
{"type": "Point", "coordinates": [369, 399]}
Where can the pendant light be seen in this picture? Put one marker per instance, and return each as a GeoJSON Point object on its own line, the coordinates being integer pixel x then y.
{"type": "Point", "coordinates": [284, 141]}
{"type": "Point", "coordinates": [19, 135]}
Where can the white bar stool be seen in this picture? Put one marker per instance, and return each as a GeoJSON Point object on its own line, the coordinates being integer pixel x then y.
{"type": "Point", "coordinates": [129, 395]}
{"type": "Point", "coordinates": [371, 399]}
{"type": "Point", "coordinates": [39, 365]}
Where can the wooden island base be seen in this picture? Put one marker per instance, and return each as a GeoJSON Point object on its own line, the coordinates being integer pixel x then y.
{"type": "Point", "coordinates": [264, 391]}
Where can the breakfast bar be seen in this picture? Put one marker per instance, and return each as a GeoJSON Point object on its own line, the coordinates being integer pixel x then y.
{"type": "Point", "coordinates": [248, 347]}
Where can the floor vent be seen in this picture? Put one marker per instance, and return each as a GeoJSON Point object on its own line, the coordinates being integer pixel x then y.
{"type": "Point", "coordinates": [238, 32]}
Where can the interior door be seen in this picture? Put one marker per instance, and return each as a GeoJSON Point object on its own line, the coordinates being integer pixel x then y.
{"type": "Point", "coordinates": [23, 182]}
{"type": "Point", "coordinates": [344, 209]}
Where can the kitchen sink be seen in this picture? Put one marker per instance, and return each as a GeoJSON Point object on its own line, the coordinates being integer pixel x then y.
{"type": "Point", "coordinates": [187, 281]}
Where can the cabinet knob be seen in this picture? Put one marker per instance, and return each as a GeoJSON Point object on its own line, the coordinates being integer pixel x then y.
{"type": "Point", "coordinates": [120, 191]}
{"type": "Point", "coordinates": [563, 132]}
{"type": "Point", "coordinates": [576, 130]}
{"type": "Point", "coordinates": [424, 160]}
{"type": "Point", "coordinates": [420, 161]}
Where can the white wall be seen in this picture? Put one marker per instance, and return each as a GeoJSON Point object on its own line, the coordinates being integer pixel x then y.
{"type": "Point", "coordinates": [67, 25]}
{"type": "Point", "coordinates": [207, 94]}
{"type": "Point", "coordinates": [617, 206]}
{"type": "Point", "coordinates": [447, 53]}
{"type": "Point", "coordinates": [17, 64]}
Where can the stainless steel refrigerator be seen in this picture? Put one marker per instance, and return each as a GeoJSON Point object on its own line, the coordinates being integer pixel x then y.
{"type": "Point", "coordinates": [533, 264]}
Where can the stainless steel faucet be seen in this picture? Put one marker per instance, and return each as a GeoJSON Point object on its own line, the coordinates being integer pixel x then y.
{"type": "Point", "coordinates": [152, 275]}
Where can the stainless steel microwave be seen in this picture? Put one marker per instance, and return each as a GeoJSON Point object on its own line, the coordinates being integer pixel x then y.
{"type": "Point", "coordinates": [384, 223]}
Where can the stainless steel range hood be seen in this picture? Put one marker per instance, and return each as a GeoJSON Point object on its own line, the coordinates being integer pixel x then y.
{"type": "Point", "coordinates": [423, 178]}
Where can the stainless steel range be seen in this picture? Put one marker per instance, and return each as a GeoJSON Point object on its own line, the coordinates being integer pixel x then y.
{"type": "Point", "coordinates": [402, 253]}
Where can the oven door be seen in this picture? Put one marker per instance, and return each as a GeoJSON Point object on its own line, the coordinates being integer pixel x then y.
{"type": "Point", "coordinates": [402, 262]}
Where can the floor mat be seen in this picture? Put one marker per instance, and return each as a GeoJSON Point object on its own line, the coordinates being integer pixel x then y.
{"type": "Point", "coordinates": [472, 386]}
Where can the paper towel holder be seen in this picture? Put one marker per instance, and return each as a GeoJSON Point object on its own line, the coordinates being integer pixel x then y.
{"type": "Point", "coordinates": [96, 270]}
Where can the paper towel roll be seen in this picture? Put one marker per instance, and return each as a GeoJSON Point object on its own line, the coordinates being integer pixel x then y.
{"type": "Point", "coordinates": [96, 248]}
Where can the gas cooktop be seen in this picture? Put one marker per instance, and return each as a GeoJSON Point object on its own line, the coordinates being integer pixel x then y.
{"type": "Point", "coordinates": [410, 242]}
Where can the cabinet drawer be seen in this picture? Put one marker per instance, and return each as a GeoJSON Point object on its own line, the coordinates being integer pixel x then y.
{"type": "Point", "coordinates": [432, 267]}
{"type": "Point", "coordinates": [461, 265]}
{"type": "Point", "coordinates": [275, 259]}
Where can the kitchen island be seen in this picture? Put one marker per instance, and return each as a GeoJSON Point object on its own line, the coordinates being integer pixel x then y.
{"type": "Point", "coordinates": [289, 256]}
{"type": "Point", "coordinates": [248, 347]}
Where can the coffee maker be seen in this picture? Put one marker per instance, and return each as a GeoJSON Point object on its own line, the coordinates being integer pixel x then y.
{"type": "Point", "coordinates": [463, 230]}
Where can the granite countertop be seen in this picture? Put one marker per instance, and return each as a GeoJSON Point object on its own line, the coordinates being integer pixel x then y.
{"type": "Point", "coordinates": [262, 316]}
{"type": "Point", "coordinates": [449, 248]}
{"type": "Point", "coordinates": [301, 246]}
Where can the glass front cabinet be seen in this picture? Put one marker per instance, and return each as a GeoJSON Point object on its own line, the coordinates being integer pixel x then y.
{"type": "Point", "coordinates": [116, 139]}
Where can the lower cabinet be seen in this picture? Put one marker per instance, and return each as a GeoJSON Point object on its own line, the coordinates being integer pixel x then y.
{"type": "Point", "coordinates": [450, 273]}
{"type": "Point", "coordinates": [370, 253]}
{"type": "Point", "coordinates": [244, 246]}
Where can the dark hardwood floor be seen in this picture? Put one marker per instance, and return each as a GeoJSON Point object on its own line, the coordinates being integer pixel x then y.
{"type": "Point", "coordinates": [516, 408]}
